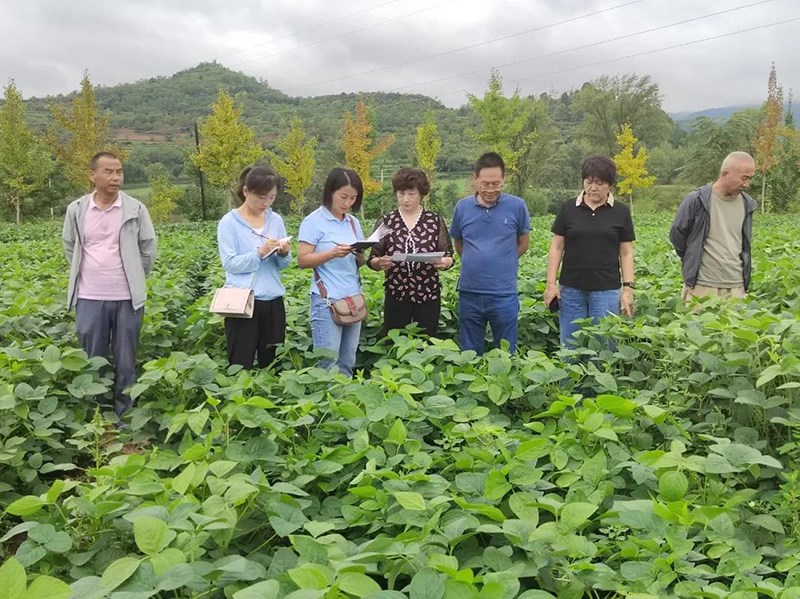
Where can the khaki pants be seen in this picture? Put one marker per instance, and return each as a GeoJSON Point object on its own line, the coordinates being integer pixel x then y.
{"type": "Point", "coordinates": [690, 293]}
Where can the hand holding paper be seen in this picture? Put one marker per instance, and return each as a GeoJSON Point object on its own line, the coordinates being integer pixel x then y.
{"type": "Point", "coordinates": [280, 245]}
{"type": "Point", "coordinates": [378, 234]}
{"type": "Point", "coordinates": [421, 257]}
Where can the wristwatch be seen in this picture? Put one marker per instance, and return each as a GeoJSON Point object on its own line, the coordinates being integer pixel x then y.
{"type": "Point", "coordinates": [628, 284]}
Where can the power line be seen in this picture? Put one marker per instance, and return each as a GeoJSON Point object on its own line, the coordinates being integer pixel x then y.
{"type": "Point", "coordinates": [657, 50]}
{"type": "Point", "coordinates": [472, 46]}
{"type": "Point", "coordinates": [602, 62]}
{"type": "Point", "coordinates": [584, 46]}
{"type": "Point", "coordinates": [610, 60]}
{"type": "Point", "coordinates": [346, 34]}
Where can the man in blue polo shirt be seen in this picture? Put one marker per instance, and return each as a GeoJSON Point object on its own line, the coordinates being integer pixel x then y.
{"type": "Point", "coordinates": [491, 230]}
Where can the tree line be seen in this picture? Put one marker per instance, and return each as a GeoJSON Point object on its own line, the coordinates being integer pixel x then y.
{"type": "Point", "coordinates": [543, 140]}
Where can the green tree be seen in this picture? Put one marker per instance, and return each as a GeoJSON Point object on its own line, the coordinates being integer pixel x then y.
{"type": "Point", "coordinates": [785, 178]}
{"type": "Point", "coordinates": [24, 164]}
{"type": "Point", "coordinates": [360, 147]}
{"type": "Point", "coordinates": [227, 145]}
{"type": "Point", "coordinates": [78, 134]}
{"type": "Point", "coordinates": [295, 162]}
{"type": "Point", "coordinates": [631, 167]}
{"type": "Point", "coordinates": [428, 144]}
{"type": "Point", "coordinates": [164, 195]}
{"type": "Point", "coordinates": [607, 103]}
{"type": "Point", "coordinates": [666, 162]}
{"type": "Point", "coordinates": [533, 145]}
{"type": "Point", "coordinates": [767, 135]}
{"type": "Point", "coordinates": [710, 142]}
{"type": "Point", "coordinates": [503, 121]}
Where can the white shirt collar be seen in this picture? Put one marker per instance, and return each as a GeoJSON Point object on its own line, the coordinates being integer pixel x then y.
{"type": "Point", "coordinates": [609, 201]}
{"type": "Point", "coordinates": [117, 203]}
{"type": "Point", "coordinates": [331, 216]}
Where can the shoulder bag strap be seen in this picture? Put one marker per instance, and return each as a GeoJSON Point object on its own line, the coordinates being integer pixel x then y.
{"type": "Point", "coordinates": [355, 234]}
{"type": "Point", "coordinates": [320, 285]}
{"type": "Point", "coordinates": [318, 280]}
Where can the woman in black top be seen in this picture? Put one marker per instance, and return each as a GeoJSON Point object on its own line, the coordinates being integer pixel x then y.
{"type": "Point", "coordinates": [592, 242]}
{"type": "Point", "coordinates": [413, 290]}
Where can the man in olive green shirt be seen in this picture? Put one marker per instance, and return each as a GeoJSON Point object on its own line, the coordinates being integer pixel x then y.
{"type": "Point", "coordinates": [712, 232]}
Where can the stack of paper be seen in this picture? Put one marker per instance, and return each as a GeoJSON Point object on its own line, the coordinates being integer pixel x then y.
{"type": "Point", "coordinates": [421, 257]}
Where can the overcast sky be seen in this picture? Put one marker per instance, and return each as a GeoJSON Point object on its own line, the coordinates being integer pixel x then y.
{"type": "Point", "coordinates": [702, 54]}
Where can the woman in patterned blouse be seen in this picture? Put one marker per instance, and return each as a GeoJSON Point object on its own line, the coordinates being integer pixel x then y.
{"type": "Point", "coordinates": [413, 290]}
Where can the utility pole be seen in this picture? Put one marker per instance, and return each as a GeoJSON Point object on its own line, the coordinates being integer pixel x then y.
{"type": "Point", "coordinates": [200, 174]}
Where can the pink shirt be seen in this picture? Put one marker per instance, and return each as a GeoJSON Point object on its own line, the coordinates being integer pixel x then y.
{"type": "Point", "coordinates": [102, 275]}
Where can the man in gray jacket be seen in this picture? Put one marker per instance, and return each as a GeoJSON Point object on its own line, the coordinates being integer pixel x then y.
{"type": "Point", "coordinates": [713, 230]}
{"type": "Point", "coordinates": [110, 245]}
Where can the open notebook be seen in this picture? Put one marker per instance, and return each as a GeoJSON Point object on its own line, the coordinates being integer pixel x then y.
{"type": "Point", "coordinates": [376, 236]}
{"type": "Point", "coordinates": [275, 249]}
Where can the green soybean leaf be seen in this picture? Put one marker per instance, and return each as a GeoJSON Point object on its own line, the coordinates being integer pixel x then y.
{"type": "Point", "coordinates": [574, 515]}
{"type": "Point", "coordinates": [25, 506]}
{"type": "Point", "coordinates": [357, 584]}
{"type": "Point", "coordinates": [410, 500]}
{"type": "Point", "coordinates": [267, 589]}
{"type": "Point", "coordinates": [426, 584]}
{"type": "Point", "coordinates": [770, 523]}
{"type": "Point", "coordinates": [151, 534]}
{"type": "Point", "coordinates": [12, 579]}
{"type": "Point", "coordinates": [47, 587]}
{"type": "Point", "coordinates": [118, 572]}
{"type": "Point", "coordinates": [311, 576]}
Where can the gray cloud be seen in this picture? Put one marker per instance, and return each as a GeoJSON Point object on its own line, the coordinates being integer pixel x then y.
{"type": "Point", "coordinates": [311, 47]}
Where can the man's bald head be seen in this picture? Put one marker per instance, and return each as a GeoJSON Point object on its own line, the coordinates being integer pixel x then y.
{"type": "Point", "coordinates": [737, 159]}
{"type": "Point", "coordinates": [735, 174]}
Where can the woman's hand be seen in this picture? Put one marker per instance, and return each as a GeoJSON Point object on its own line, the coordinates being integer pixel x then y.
{"type": "Point", "coordinates": [626, 305]}
{"type": "Point", "coordinates": [445, 262]}
{"type": "Point", "coordinates": [381, 262]}
{"type": "Point", "coordinates": [551, 292]}
{"type": "Point", "coordinates": [339, 251]}
{"type": "Point", "coordinates": [283, 248]}
{"type": "Point", "coordinates": [268, 245]}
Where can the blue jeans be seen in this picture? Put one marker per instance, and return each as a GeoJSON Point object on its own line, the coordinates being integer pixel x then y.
{"type": "Point", "coordinates": [579, 303]}
{"type": "Point", "coordinates": [476, 309]}
{"type": "Point", "coordinates": [327, 335]}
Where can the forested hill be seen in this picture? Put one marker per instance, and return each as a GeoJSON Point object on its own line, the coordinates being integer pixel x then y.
{"type": "Point", "coordinates": [160, 112]}
{"type": "Point", "coordinates": [154, 119]}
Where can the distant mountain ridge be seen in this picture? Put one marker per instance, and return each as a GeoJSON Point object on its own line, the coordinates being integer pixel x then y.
{"type": "Point", "coordinates": [718, 114]}
{"type": "Point", "coordinates": [164, 109]}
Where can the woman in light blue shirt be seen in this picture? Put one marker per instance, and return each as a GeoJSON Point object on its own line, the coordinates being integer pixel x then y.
{"type": "Point", "coordinates": [253, 249]}
{"type": "Point", "coordinates": [325, 240]}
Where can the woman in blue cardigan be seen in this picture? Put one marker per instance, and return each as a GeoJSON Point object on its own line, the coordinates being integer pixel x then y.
{"type": "Point", "coordinates": [254, 249]}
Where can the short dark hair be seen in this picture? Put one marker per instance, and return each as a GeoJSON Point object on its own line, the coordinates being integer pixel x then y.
{"type": "Point", "coordinates": [490, 160]}
{"type": "Point", "coordinates": [96, 158]}
{"type": "Point", "coordinates": [342, 177]}
{"type": "Point", "coordinates": [258, 179]}
{"type": "Point", "coordinates": [599, 167]}
{"type": "Point", "coordinates": [411, 178]}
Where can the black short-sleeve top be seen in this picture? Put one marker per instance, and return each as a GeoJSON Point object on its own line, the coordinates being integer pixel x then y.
{"type": "Point", "coordinates": [592, 238]}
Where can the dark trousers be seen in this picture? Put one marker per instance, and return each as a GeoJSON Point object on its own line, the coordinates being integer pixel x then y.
{"type": "Point", "coordinates": [116, 325]}
{"type": "Point", "coordinates": [247, 337]}
{"type": "Point", "coordinates": [398, 314]}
